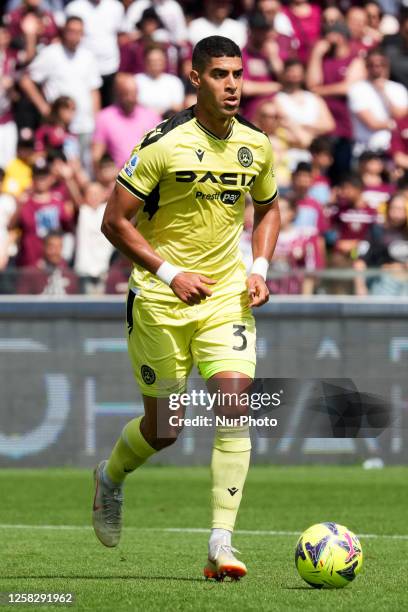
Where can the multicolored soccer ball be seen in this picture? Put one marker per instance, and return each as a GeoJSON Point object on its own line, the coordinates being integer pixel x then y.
{"type": "Point", "coordinates": [328, 555]}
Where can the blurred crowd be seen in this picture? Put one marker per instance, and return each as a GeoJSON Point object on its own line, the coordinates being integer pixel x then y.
{"type": "Point", "coordinates": [81, 81]}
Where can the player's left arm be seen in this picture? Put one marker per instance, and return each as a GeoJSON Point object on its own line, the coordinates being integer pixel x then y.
{"type": "Point", "coordinates": [266, 228]}
{"type": "Point", "coordinates": [264, 236]}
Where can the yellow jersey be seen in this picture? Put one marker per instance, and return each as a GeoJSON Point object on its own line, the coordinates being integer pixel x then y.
{"type": "Point", "coordinates": [193, 185]}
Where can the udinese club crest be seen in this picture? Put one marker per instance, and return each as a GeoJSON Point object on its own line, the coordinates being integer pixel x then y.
{"type": "Point", "coordinates": [148, 374]}
{"type": "Point", "coordinates": [245, 157]}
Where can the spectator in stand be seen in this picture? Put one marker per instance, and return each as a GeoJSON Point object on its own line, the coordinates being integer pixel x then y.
{"type": "Point", "coordinates": [321, 149]}
{"type": "Point", "coordinates": [217, 21]}
{"type": "Point", "coordinates": [7, 238]}
{"type": "Point", "coordinates": [170, 13]}
{"type": "Point", "coordinates": [40, 211]}
{"type": "Point", "coordinates": [8, 128]}
{"type": "Point", "coordinates": [332, 70]}
{"type": "Point", "coordinates": [93, 250]}
{"type": "Point", "coordinates": [119, 126]}
{"type": "Point", "coordinates": [387, 249]}
{"type": "Point", "coordinates": [351, 219]}
{"type": "Point", "coordinates": [305, 18]}
{"type": "Point", "coordinates": [125, 24]}
{"type": "Point", "coordinates": [298, 254]}
{"type": "Point", "coordinates": [380, 16]}
{"type": "Point", "coordinates": [374, 15]}
{"type": "Point", "coordinates": [106, 173]}
{"type": "Point", "coordinates": [55, 131]}
{"type": "Point", "coordinates": [309, 212]}
{"type": "Point", "coordinates": [377, 188]}
{"type": "Point", "coordinates": [56, 7]}
{"type": "Point", "coordinates": [284, 136]}
{"type": "Point", "coordinates": [399, 145]}
{"type": "Point", "coordinates": [31, 27]}
{"type": "Point", "coordinates": [149, 32]}
{"type": "Point", "coordinates": [275, 16]}
{"type": "Point", "coordinates": [375, 104]}
{"type": "Point", "coordinates": [67, 68]}
{"type": "Point", "coordinates": [157, 90]}
{"type": "Point", "coordinates": [117, 282]}
{"type": "Point", "coordinates": [18, 173]}
{"type": "Point", "coordinates": [396, 49]}
{"type": "Point", "coordinates": [102, 21]}
{"type": "Point", "coordinates": [283, 33]}
{"type": "Point", "coordinates": [50, 275]}
{"type": "Point", "coordinates": [331, 16]}
{"type": "Point", "coordinates": [363, 38]}
{"type": "Point", "coordinates": [68, 178]}
{"type": "Point", "coordinates": [55, 143]}
{"type": "Point", "coordinates": [305, 109]}
{"type": "Point", "coordinates": [261, 63]}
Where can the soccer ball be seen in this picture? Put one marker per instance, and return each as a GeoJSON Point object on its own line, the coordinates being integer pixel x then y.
{"type": "Point", "coordinates": [328, 555]}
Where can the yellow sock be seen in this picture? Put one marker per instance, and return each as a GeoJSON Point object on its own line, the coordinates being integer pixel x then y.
{"type": "Point", "coordinates": [229, 467]}
{"type": "Point", "coordinates": [129, 452]}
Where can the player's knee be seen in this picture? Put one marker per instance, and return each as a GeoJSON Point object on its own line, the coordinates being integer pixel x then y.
{"type": "Point", "coordinates": [166, 438]}
{"type": "Point", "coordinates": [160, 436]}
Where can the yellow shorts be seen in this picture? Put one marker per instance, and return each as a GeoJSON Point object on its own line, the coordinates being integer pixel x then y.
{"type": "Point", "coordinates": [165, 339]}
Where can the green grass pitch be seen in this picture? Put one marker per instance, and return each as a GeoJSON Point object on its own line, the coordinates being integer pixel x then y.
{"type": "Point", "coordinates": [157, 567]}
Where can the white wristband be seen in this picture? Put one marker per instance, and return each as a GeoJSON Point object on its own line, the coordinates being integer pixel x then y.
{"type": "Point", "coordinates": [166, 272]}
{"type": "Point", "coordinates": [260, 266]}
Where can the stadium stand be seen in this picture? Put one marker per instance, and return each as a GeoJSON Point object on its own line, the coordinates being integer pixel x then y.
{"type": "Point", "coordinates": [83, 80]}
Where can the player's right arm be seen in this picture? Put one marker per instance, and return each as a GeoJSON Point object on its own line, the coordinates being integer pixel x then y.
{"type": "Point", "coordinates": [118, 228]}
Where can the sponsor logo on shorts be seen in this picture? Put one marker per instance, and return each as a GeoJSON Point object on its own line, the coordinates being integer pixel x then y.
{"type": "Point", "coordinates": [148, 374]}
{"type": "Point", "coordinates": [226, 197]}
{"type": "Point", "coordinates": [132, 165]}
{"type": "Point", "coordinates": [245, 157]}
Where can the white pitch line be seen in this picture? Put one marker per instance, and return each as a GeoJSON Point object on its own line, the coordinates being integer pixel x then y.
{"type": "Point", "coordinates": [190, 530]}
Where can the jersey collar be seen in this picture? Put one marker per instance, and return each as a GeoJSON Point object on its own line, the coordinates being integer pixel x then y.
{"type": "Point", "coordinates": [209, 133]}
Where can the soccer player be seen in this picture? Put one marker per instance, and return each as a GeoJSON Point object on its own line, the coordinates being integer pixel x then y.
{"type": "Point", "coordinates": [189, 299]}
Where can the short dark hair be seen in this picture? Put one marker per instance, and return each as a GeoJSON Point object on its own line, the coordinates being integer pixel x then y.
{"type": "Point", "coordinates": [376, 51]}
{"type": "Point", "coordinates": [293, 61]}
{"type": "Point", "coordinates": [53, 234]}
{"type": "Point", "coordinates": [303, 167]}
{"type": "Point", "coordinates": [352, 179]}
{"type": "Point", "coordinates": [41, 168]}
{"type": "Point", "coordinates": [213, 46]}
{"type": "Point", "coordinates": [106, 160]}
{"type": "Point", "coordinates": [73, 18]}
{"type": "Point", "coordinates": [370, 155]}
{"type": "Point", "coordinates": [321, 144]}
{"type": "Point", "coordinates": [377, 4]}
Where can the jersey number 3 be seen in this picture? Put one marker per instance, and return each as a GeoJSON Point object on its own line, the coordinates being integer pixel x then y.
{"type": "Point", "coordinates": [239, 332]}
